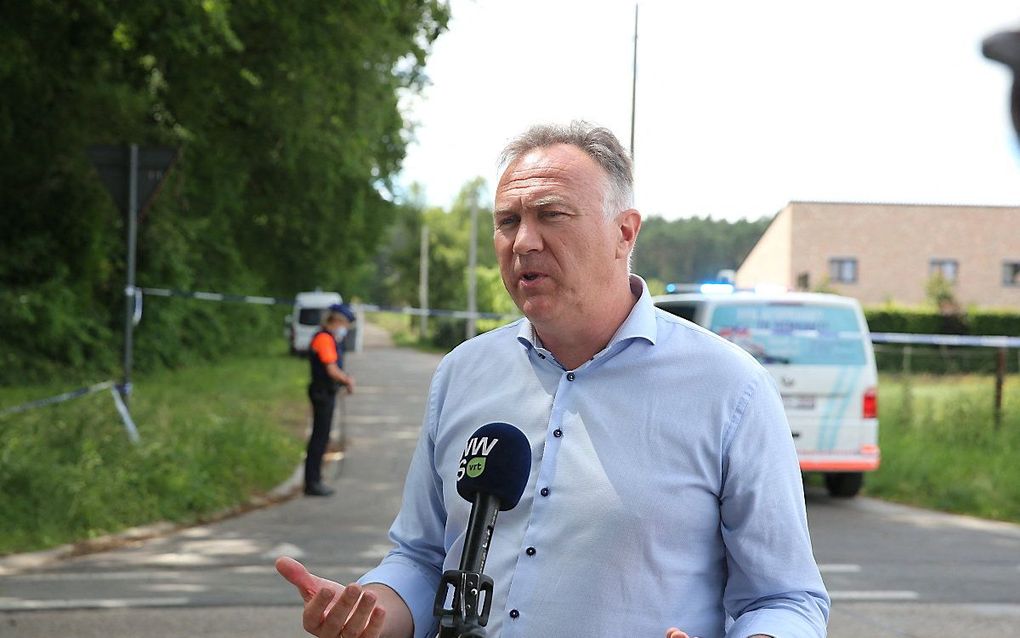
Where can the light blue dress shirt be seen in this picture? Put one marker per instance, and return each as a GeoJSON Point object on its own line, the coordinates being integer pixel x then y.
{"type": "Point", "coordinates": [664, 490]}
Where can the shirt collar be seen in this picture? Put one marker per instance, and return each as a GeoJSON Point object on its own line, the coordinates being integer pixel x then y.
{"type": "Point", "coordinates": [639, 324]}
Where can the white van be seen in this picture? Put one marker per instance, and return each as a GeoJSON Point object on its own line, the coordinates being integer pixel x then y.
{"type": "Point", "coordinates": [306, 317]}
{"type": "Point", "coordinates": [818, 349]}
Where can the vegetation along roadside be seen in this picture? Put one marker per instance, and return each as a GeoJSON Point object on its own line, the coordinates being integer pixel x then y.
{"type": "Point", "coordinates": [941, 448]}
{"type": "Point", "coordinates": [211, 436]}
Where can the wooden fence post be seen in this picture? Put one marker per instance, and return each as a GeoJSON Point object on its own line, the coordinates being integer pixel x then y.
{"type": "Point", "coordinates": [1000, 377]}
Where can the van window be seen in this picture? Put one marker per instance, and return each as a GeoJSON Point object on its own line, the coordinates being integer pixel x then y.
{"type": "Point", "coordinates": [310, 316]}
{"type": "Point", "coordinates": [682, 310]}
{"type": "Point", "coordinates": [792, 333]}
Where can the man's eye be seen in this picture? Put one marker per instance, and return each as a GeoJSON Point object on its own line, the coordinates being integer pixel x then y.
{"type": "Point", "coordinates": [553, 214]}
{"type": "Point", "coordinates": [503, 222]}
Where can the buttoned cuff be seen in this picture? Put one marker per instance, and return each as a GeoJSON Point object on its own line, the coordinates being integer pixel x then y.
{"type": "Point", "coordinates": [416, 588]}
{"type": "Point", "coordinates": [776, 622]}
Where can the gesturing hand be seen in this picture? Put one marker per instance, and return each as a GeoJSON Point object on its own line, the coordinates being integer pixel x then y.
{"type": "Point", "coordinates": [332, 610]}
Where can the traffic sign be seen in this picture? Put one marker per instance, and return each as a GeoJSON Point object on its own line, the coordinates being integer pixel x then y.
{"type": "Point", "coordinates": [114, 166]}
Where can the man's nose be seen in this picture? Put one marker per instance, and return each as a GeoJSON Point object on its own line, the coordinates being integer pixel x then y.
{"type": "Point", "coordinates": [528, 238]}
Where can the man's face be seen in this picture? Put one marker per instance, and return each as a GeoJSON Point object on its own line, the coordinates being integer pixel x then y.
{"type": "Point", "coordinates": [557, 252]}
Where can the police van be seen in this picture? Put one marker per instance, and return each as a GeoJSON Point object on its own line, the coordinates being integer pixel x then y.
{"type": "Point", "coordinates": [818, 350]}
{"type": "Point", "coordinates": [303, 321]}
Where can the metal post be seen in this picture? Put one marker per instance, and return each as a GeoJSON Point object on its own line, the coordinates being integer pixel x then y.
{"type": "Point", "coordinates": [1000, 377]}
{"type": "Point", "coordinates": [471, 328]}
{"type": "Point", "coordinates": [423, 281]}
{"type": "Point", "coordinates": [129, 290]}
{"type": "Point", "coordinates": [633, 87]}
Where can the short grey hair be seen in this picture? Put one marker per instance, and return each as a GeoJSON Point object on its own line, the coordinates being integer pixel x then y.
{"type": "Point", "coordinates": [597, 142]}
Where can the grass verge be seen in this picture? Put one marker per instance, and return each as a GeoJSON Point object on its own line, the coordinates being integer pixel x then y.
{"type": "Point", "coordinates": [941, 448]}
{"type": "Point", "coordinates": [211, 436]}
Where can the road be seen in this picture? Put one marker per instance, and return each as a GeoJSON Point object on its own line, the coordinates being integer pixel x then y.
{"type": "Point", "coordinates": [892, 570]}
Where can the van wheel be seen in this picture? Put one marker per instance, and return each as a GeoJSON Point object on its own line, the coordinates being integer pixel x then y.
{"type": "Point", "coordinates": [844, 484]}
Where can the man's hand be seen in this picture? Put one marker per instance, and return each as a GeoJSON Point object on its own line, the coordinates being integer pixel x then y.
{"type": "Point", "coordinates": [332, 610]}
{"type": "Point", "coordinates": [341, 377]}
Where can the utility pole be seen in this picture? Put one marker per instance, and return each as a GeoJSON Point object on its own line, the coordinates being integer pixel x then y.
{"type": "Point", "coordinates": [423, 281]}
{"type": "Point", "coordinates": [633, 86]}
{"type": "Point", "coordinates": [471, 328]}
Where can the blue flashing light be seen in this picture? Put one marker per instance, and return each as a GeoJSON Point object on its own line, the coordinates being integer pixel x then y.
{"type": "Point", "coordinates": [717, 289]}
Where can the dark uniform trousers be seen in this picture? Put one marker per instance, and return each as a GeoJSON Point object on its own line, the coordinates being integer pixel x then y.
{"type": "Point", "coordinates": [323, 402]}
{"type": "Point", "coordinates": [322, 392]}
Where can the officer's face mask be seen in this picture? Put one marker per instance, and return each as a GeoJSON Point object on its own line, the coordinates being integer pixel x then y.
{"type": "Point", "coordinates": [340, 333]}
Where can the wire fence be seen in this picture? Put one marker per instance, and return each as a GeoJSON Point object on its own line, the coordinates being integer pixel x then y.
{"type": "Point", "coordinates": [909, 354]}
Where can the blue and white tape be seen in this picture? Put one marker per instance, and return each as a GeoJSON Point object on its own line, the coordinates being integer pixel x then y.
{"type": "Point", "coordinates": [125, 416]}
{"type": "Point", "coordinates": [946, 340]}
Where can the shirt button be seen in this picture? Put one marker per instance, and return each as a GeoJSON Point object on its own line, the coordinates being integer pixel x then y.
{"type": "Point", "coordinates": [570, 376]}
{"type": "Point", "coordinates": [541, 356]}
{"type": "Point", "coordinates": [557, 433]}
{"type": "Point", "coordinates": [545, 491]}
{"type": "Point", "coordinates": [514, 613]}
{"type": "Point", "coordinates": [530, 551]}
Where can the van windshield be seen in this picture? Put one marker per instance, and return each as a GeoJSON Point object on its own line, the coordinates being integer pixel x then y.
{"type": "Point", "coordinates": [310, 316]}
{"type": "Point", "coordinates": [792, 333]}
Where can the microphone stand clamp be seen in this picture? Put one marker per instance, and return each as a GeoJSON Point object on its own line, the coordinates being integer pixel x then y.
{"type": "Point", "coordinates": [463, 619]}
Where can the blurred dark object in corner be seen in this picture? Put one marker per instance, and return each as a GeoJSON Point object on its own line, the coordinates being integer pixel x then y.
{"type": "Point", "coordinates": [1005, 47]}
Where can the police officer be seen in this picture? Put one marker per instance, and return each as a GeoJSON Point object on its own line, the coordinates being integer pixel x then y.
{"type": "Point", "coordinates": [327, 377]}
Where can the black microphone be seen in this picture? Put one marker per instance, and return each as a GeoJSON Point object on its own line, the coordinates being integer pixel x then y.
{"type": "Point", "coordinates": [493, 472]}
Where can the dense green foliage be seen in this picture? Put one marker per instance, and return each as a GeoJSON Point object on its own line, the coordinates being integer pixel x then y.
{"type": "Point", "coordinates": [694, 249]}
{"type": "Point", "coordinates": [941, 449]}
{"type": "Point", "coordinates": [924, 321]}
{"type": "Point", "coordinates": [287, 120]}
{"type": "Point", "coordinates": [210, 437]}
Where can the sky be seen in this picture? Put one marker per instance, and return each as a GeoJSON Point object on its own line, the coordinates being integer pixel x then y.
{"type": "Point", "coordinates": [742, 106]}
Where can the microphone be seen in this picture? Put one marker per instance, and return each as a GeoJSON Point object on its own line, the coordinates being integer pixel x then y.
{"type": "Point", "coordinates": [493, 472]}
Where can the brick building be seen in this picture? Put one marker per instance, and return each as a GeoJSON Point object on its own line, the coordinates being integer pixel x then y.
{"type": "Point", "coordinates": [888, 252]}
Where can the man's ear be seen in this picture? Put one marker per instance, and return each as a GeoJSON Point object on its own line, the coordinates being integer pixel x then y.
{"type": "Point", "coordinates": [629, 223]}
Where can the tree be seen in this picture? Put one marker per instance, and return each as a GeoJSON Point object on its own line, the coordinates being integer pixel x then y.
{"type": "Point", "coordinates": [287, 117]}
{"type": "Point", "coordinates": [694, 249]}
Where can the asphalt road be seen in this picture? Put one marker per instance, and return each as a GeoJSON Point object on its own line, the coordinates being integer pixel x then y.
{"type": "Point", "coordinates": [891, 570]}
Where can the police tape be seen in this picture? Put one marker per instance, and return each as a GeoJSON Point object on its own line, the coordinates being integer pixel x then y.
{"type": "Point", "coordinates": [435, 312]}
{"type": "Point", "coordinates": [125, 416]}
{"type": "Point", "coordinates": [946, 340]}
{"type": "Point", "coordinates": [218, 296]}
{"type": "Point", "coordinates": [289, 301]}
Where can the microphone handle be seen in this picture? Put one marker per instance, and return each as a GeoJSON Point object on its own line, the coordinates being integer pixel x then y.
{"type": "Point", "coordinates": [479, 532]}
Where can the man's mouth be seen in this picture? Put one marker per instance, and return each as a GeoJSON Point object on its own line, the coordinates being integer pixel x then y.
{"type": "Point", "coordinates": [531, 277]}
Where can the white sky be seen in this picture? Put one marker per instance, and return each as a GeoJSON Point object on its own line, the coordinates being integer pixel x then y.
{"type": "Point", "coordinates": [741, 106]}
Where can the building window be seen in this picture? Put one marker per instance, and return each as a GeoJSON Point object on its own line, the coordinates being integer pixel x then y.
{"type": "Point", "coordinates": [1011, 273]}
{"type": "Point", "coordinates": [804, 281]}
{"type": "Point", "coordinates": [843, 270]}
{"type": "Point", "coordinates": [949, 269]}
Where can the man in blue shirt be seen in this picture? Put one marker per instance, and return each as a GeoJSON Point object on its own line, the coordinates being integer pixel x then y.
{"type": "Point", "coordinates": [665, 491]}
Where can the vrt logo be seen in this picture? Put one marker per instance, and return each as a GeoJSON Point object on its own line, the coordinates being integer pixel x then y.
{"type": "Point", "coordinates": [476, 466]}
{"type": "Point", "coordinates": [472, 460]}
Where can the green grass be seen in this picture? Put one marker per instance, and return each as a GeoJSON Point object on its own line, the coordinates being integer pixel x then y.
{"type": "Point", "coordinates": [211, 436]}
{"type": "Point", "coordinates": [941, 448]}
